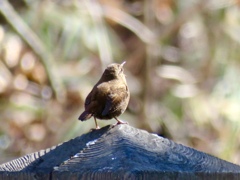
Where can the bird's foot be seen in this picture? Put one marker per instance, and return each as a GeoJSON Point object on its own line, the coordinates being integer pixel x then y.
{"type": "Point", "coordinates": [120, 122]}
{"type": "Point", "coordinates": [93, 129]}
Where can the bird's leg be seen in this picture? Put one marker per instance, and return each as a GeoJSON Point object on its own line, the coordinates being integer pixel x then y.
{"type": "Point", "coordinates": [119, 121]}
{"type": "Point", "coordinates": [97, 127]}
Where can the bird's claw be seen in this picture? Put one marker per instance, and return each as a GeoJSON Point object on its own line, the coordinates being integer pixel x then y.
{"type": "Point", "coordinates": [120, 122]}
{"type": "Point", "coordinates": [93, 129]}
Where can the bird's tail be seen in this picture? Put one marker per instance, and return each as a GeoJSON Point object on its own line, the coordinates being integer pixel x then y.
{"type": "Point", "coordinates": [84, 116]}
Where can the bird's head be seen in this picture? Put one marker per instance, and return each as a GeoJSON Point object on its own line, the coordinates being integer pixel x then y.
{"type": "Point", "coordinates": [114, 71]}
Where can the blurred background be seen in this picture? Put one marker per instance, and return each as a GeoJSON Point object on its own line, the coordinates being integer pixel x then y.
{"type": "Point", "coordinates": [183, 70]}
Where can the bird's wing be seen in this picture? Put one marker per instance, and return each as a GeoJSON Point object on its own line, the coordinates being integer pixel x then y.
{"type": "Point", "coordinates": [88, 99]}
{"type": "Point", "coordinates": [91, 96]}
{"type": "Point", "coordinates": [115, 96]}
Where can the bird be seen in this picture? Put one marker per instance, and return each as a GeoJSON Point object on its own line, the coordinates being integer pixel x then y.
{"type": "Point", "coordinates": [109, 97]}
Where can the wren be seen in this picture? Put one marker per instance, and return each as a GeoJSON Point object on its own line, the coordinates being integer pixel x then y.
{"type": "Point", "coordinates": [109, 97]}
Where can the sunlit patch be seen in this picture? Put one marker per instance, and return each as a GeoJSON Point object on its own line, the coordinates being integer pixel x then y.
{"type": "Point", "coordinates": [36, 132]}
{"type": "Point", "coordinates": [5, 77]}
{"type": "Point", "coordinates": [13, 48]}
{"type": "Point", "coordinates": [1, 34]}
{"type": "Point", "coordinates": [20, 82]}
{"type": "Point", "coordinates": [185, 90]}
{"type": "Point", "coordinates": [28, 61]}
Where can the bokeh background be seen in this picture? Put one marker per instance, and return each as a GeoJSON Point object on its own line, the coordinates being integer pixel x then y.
{"type": "Point", "coordinates": [183, 70]}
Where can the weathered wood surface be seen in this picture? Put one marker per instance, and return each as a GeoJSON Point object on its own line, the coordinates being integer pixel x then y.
{"type": "Point", "coordinates": [120, 152]}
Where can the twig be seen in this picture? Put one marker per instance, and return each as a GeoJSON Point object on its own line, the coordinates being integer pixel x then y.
{"type": "Point", "coordinates": [133, 24]}
{"type": "Point", "coordinates": [149, 22]}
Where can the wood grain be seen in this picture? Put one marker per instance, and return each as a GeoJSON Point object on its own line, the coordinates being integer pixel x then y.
{"type": "Point", "coordinates": [121, 152]}
{"type": "Point", "coordinates": [45, 160]}
{"type": "Point", "coordinates": [125, 148]}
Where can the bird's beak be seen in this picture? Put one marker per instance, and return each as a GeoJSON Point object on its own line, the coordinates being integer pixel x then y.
{"type": "Point", "coordinates": [121, 65]}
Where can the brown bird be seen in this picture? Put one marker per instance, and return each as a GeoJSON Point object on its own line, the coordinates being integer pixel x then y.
{"type": "Point", "coordinates": [109, 97]}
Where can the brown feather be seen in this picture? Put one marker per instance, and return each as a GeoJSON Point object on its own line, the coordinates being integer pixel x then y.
{"type": "Point", "coordinates": [109, 97]}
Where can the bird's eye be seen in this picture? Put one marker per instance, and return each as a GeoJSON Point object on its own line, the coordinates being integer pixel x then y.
{"type": "Point", "coordinates": [120, 70]}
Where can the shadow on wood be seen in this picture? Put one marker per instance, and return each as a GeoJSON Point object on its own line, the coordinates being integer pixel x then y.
{"type": "Point", "coordinates": [120, 152]}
